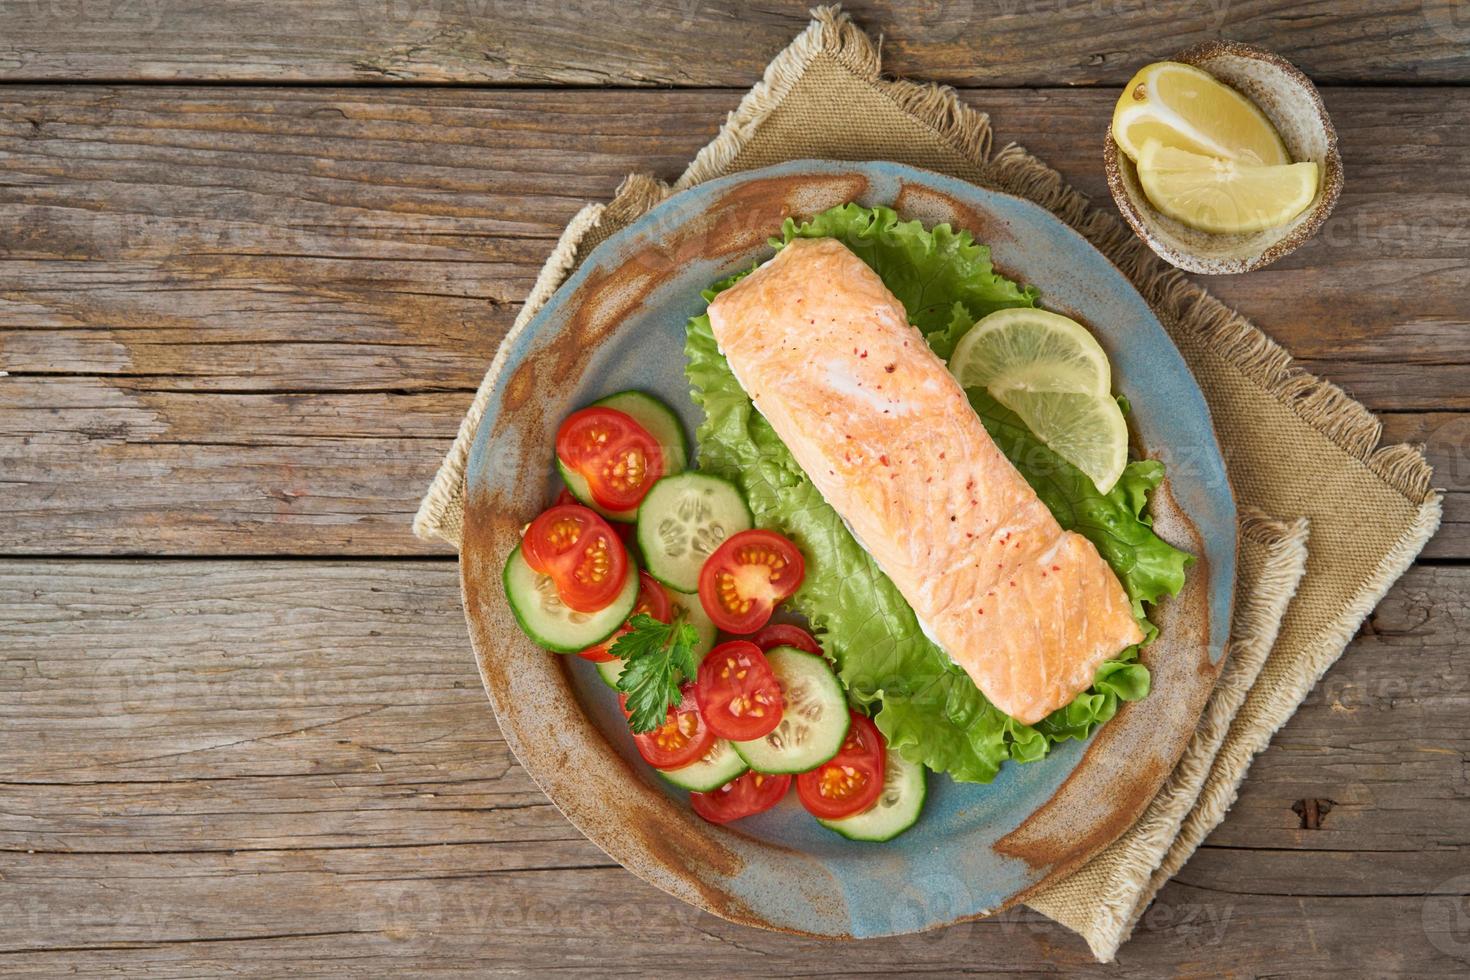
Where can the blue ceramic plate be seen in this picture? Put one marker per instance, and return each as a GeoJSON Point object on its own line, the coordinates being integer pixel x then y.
{"type": "Point", "coordinates": [618, 323]}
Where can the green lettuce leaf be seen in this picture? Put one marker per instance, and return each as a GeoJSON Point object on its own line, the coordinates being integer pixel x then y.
{"type": "Point", "coordinates": [928, 708]}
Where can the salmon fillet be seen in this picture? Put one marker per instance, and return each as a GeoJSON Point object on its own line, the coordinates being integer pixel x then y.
{"type": "Point", "coordinates": [828, 356]}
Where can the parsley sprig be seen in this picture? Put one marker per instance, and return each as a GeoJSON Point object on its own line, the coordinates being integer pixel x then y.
{"type": "Point", "coordinates": [657, 658]}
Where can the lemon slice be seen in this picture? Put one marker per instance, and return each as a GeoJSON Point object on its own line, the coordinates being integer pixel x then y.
{"type": "Point", "coordinates": [1053, 373]}
{"type": "Point", "coordinates": [1033, 350]}
{"type": "Point", "coordinates": [1183, 107]}
{"type": "Point", "coordinates": [1224, 196]}
{"type": "Point", "coordinates": [1086, 430]}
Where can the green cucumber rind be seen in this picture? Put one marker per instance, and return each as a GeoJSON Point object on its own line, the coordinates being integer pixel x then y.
{"type": "Point", "coordinates": [609, 671]}
{"type": "Point", "coordinates": [624, 604]}
{"type": "Point", "coordinates": [857, 827]}
{"type": "Point", "coordinates": [700, 778]}
{"type": "Point", "coordinates": [751, 752]}
{"type": "Point", "coordinates": [653, 556]}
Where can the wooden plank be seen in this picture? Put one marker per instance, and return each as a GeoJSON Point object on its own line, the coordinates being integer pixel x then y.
{"type": "Point", "coordinates": [271, 765]}
{"type": "Point", "coordinates": [1446, 439]}
{"type": "Point", "coordinates": [299, 357]}
{"type": "Point", "coordinates": [244, 321]}
{"type": "Point", "coordinates": [604, 922]}
{"type": "Point", "coordinates": [674, 42]}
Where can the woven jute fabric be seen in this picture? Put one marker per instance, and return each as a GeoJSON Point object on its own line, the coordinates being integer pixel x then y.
{"type": "Point", "coordinates": [1330, 517]}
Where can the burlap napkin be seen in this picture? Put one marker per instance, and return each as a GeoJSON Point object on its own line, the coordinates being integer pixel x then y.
{"type": "Point", "coordinates": [1296, 446]}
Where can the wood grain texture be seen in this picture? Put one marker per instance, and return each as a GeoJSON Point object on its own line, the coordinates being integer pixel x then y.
{"type": "Point", "coordinates": [271, 766]}
{"type": "Point", "coordinates": [692, 42]}
{"type": "Point", "coordinates": [247, 321]}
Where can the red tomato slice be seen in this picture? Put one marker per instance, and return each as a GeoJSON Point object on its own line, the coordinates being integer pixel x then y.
{"type": "Point", "coordinates": [682, 740]}
{"type": "Point", "coordinates": [738, 692]}
{"type": "Point", "coordinates": [753, 792]}
{"type": "Point", "coordinates": [746, 577]}
{"type": "Point", "coordinates": [652, 599]}
{"type": "Point", "coordinates": [864, 741]}
{"type": "Point", "coordinates": [619, 458]}
{"type": "Point", "coordinates": [774, 635]}
{"type": "Point", "coordinates": [580, 552]}
{"type": "Point", "coordinates": [627, 533]}
{"type": "Point", "coordinates": [852, 780]}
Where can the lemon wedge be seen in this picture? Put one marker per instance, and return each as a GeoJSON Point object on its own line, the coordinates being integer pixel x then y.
{"type": "Point", "coordinates": [1053, 373]}
{"type": "Point", "coordinates": [1224, 196]}
{"type": "Point", "coordinates": [1186, 108]}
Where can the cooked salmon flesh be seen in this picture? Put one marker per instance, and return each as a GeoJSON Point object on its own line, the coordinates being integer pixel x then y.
{"type": "Point", "coordinates": [828, 356]}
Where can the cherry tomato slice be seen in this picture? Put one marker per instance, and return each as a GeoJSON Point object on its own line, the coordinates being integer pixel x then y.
{"type": "Point", "coordinates": [748, 574]}
{"type": "Point", "coordinates": [864, 741]}
{"type": "Point", "coordinates": [774, 635]}
{"type": "Point", "coordinates": [851, 781]}
{"type": "Point", "coordinates": [619, 458]}
{"type": "Point", "coordinates": [627, 533]}
{"type": "Point", "coordinates": [682, 740]}
{"type": "Point", "coordinates": [754, 792]}
{"type": "Point", "coordinates": [652, 599]}
{"type": "Point", "coordinates": [738, 692]}
{"type": "Point", "coordinates": [580, 552]}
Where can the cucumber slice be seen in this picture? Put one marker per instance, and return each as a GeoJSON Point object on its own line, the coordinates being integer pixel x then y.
{"type": "Point", "coordinates": [611, 670]}
{"type": "Point", "coordinates": [547, 620]}
{"type": "Point", "coordinates": [897, 808]}
{"type": "Point", "coordinates": [815, 719]}
{"type": "Point", "coordinates": [661, 423]}
{"type": "Point", "coordinates": [699, 619]}
{"type": "Point", "coordinates": [683, 520]}
{"type": "Point", "coordinates": [719, 765]}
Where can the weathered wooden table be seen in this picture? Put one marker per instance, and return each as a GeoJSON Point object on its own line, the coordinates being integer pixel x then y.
{"type": "Point", "coordinates": [253, 260]}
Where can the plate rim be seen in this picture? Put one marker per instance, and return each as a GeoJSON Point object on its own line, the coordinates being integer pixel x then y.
{"type": "Point", "coordinates": [640, 227]}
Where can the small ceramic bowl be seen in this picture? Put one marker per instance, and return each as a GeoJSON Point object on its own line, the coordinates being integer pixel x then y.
{"type": "Point", "coordinates": [1290, 101]}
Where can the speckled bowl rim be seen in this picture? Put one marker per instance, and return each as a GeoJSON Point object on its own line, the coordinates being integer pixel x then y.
{"type": "Point", "coordinates": [1138, 212]}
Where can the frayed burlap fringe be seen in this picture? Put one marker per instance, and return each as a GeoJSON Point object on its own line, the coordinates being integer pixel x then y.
{"type": "Point", "coordinates": [1104, 898]}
